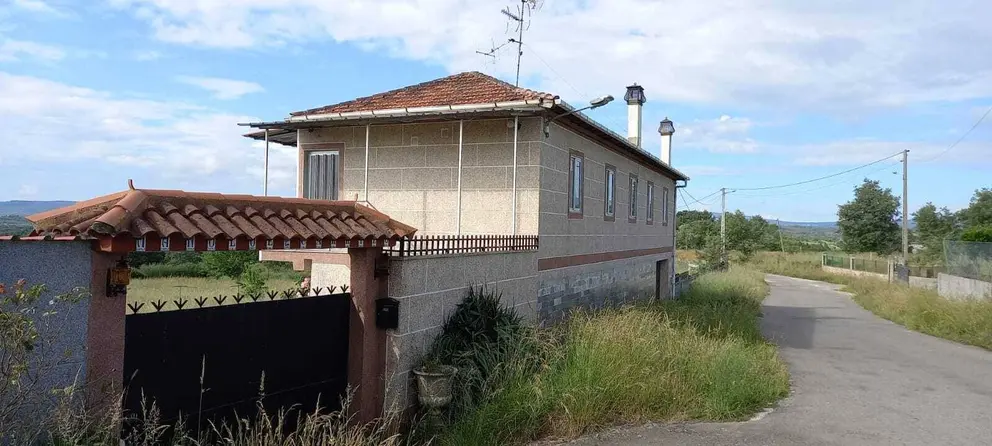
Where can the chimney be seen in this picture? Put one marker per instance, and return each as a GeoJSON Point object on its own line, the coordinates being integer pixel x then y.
{"type": "Point", "coordinates": [635, 100]}
{"type": "Point", "coordinates": [666, 129]}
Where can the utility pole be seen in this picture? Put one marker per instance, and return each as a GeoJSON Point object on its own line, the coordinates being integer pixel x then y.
{"type": "Point", "coordinates": [905, 207]}
{"type": "Point", "coordinates": [781, 241]}
{"type": "Point", "coordinates": [723, 221]}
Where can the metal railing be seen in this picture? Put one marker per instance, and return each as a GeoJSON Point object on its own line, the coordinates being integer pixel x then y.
{"type": "Point", "coordinates": [433, 245]}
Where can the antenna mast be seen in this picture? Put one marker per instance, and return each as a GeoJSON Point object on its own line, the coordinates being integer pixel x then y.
{"type": "Point", "coordinates": [521, 17]}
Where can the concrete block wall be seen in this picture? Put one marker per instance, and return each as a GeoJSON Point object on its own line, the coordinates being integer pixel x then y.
{"type": "Point", "coordinates": [413, 173]}
{"type": "Point", "coordinates": [429, 289]}
{"type": "Point", "coordinates": [61, 267]}
{"type": "Point", "coordinates": [595, 286]}
{"type": "Point", "coordinates": [956, 287]}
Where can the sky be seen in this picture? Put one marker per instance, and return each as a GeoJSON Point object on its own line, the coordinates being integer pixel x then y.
{"type": "Point", "coordinates": [762, 92]}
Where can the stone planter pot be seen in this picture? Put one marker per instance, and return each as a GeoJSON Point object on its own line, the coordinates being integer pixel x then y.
{"type": "Point", "coordinates": [434, 386]}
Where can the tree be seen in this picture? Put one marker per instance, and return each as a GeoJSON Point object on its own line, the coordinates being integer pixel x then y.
{"type": "Point", "coordinates": [694, 228]}
{"type": "Point", "coordinates": [932, 227]}
{"type": "Point", "coordinates": [978, 234]}
{"type": "Point", "coordinates": [868, 222]}
{"type": "Point", "coordinates": [979, 211]}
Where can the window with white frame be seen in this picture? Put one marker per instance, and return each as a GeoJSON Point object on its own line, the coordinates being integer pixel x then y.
{"type": "Point", "coordinates": [632, 199]}
{"type": "Point", "coordinates": [610, 193]}
{"type": "Point", "coordinates": [650, 207]}
{"type": "Point", "coordinates": [575, 187]}
{"type": "Point", "coordinates": [322, 175]}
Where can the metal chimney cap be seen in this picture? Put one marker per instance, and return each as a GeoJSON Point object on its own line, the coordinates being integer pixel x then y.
{"type": "Point", "coordinates": [667, 127]}
{"type": "Point", "coordinates": [635, 95]}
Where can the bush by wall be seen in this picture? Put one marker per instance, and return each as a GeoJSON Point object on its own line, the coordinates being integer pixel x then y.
{"type": "Point", "coordinates": [170, 270]}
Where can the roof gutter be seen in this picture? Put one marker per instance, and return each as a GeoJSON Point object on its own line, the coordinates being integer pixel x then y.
{"type": "Point", "coordinates": [527, 105]}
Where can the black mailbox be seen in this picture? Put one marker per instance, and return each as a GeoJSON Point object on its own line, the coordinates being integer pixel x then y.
{"type": "Point", "coordinates": [387, 313]}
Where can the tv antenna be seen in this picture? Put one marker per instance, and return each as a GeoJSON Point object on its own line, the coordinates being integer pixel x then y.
{"type": "Point", "coordinates": [521, 20]}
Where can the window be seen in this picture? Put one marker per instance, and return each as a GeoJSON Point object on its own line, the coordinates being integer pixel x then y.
{"type": "Point", "coordinates": [575, 173]}
{"type": "Point", "coordinates": [650, 208]}
{"type": "Point", "coordinates": [632, 199]}
{"type": "Point", "coordinates": [664, 209]}
{"type": "Point", "coordinates": [321, 173]}
{"type": "Point", "coordinates": [610, 194]}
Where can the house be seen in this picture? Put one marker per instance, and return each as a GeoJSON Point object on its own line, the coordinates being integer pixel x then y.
{"type": "Point", "coordinates": [469, 154]}
{"type": "Point", "coordinates": [506, 186]}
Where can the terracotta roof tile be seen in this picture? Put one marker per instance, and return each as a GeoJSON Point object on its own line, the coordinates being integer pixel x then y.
{"type": "Point", "coordinates": [459, 89]}
{"type": "Point", "coordinates": [147, 213]}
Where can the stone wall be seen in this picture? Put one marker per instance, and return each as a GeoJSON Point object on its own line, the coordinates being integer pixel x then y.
{"type": "Point", "coordinates": [856, 273]}
{"type": "Point", "coordinates": [429, 289]}
{"type": "Point", "coordinates": [955, 287]}
{"type": "Point", "coordinates": [61, 267]}
{"type": "Point", "coordinates": [413, 173]}
{"type": "Point", "coordinates": [597, 285]}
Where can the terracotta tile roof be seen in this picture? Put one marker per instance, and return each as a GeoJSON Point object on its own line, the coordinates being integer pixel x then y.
{"type": "Point", "coordinates": [164, 219]}
{"type": "Point", "coordinates": [459, 89]}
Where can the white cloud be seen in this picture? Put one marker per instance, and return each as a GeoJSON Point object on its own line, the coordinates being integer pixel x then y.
{"type": "Point", "coordinates": [724, 134]}
{"type": "Point", "coordinates": [12, 50]}
{"type": "Point", "coordinates": [146, 55]}
{"type": "Point", "coordinates": [165, 144]}
{"type": "Point", "coordinates": [772, 53]}
{"type": "Point", "coordinates": [222, 88]}
{"type": "Point", "coordinates": [35, 6]}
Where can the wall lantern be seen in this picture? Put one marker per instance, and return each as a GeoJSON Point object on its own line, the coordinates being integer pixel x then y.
{"type": "Point", "coordinates": [118, 278]}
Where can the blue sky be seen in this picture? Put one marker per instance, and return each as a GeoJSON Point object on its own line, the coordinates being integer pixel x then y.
{"type": "Point", "coordinates": [762, 92]}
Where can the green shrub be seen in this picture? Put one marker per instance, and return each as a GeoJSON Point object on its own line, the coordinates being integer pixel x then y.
{"type": "Point", "coordinates": [977, 234]}
{"type": "Point", "coordinates": [251, 281]}
{"type": "Point", "coordinates": [183, 257]}
{"type": "Point", "coordinates": [170, 270]}
{"type": "Point", "coordinates": [229, 263]}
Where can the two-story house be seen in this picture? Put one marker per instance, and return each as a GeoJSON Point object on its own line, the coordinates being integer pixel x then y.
{"type": "Point", "coordinates": [469, 154]}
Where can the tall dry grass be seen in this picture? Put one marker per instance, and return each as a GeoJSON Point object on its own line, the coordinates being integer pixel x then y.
{"type": "Point", "coordinates": [698, 358]}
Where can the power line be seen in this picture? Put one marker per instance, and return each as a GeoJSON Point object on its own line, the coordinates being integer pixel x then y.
{"type": "Point", "coordinates": [965, 135]}
{"type": "Point", "coordinates": [778, 194]}
{"type": "Point", "coordinates": [695, 200]}
{"type": "Point", "coordinates": [899, 153]}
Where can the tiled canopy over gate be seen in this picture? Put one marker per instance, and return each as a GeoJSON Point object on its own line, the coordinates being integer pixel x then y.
{"type": "Point", "coordinates": [172, 220]}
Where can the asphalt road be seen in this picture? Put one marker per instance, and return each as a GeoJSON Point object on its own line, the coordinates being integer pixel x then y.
{"type": "Point", "coordinates": [856, 380]}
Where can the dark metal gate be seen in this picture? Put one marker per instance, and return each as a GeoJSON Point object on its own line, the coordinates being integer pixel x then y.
{"type": "Point", "coordinates": [206, 363]}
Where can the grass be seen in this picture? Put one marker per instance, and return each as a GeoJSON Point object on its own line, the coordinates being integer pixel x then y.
{"type": "Point", "coordinates": [698, 358]}
{"type": "Point", "coordinates": [964, 321]}
{"type": "Point", "coordinates": [174, 288]}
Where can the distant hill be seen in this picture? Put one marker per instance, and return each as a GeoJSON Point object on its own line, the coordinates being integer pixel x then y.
{"type": "Point", "coordinates": [12, 221]}
{"type": "Point", "coordinates": [22, 208]}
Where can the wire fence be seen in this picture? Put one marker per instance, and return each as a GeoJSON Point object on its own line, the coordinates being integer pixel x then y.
{"type": "Point", "coordinates": [968, 259]}
{"type": "Point", "coordinates": [870, 265]}
{"type": "Point", "coordinates": [836, 261]}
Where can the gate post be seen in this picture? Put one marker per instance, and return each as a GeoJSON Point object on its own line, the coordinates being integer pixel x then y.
{"type": "Point", "coordinates": [366, 342]}
{"type": "Point", "coordinates": [104, 336]}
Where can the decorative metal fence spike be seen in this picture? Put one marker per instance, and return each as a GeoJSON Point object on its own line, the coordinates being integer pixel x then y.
{"type": "Point", "coordinates": [238, 298]}
{"type": "Point", "coordinates": [255, 297]}
{"type": "Point", "coordinates": [304, 292]}
{"type": "Point", "coordinates": [159, 305]}
{"type": "Point", "coordinates": [344, 288]}
{"type": "Point", "coordinates": [288, 294]}
{"type": "Point", "coordinates": [331, 289]}
{"type": "Point", "coordinates": [134, 308]}
{"type": "Point", "coordinates": [272, 294]}
{"type": "Point", "coordinates": [181, 303]}
{"type": "Point", "coordinates": [220, 299]}
{"type": "Point", "coordinates": [317, 290]}
{"type": "Point", "coordinates": [200, 301]}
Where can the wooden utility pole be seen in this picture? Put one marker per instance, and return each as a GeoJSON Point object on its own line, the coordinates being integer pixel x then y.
{"type": "Point", "coordinates": [905, 207]}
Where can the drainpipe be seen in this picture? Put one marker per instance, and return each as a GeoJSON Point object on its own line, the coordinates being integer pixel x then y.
{"type": "Point", "coordinates": [675, 224]}
{"type": "Point", "coordinates": [265, 181]}
{"type": "Point", "coordinates": [367, 130]}
{"type": "Point", "coordinates": [513, 217]}
{"type": "Point", "coordinates": [461, 134]}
